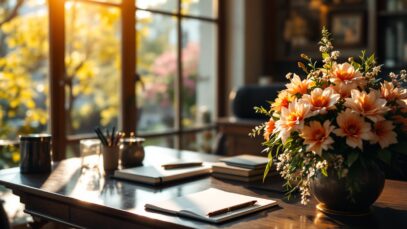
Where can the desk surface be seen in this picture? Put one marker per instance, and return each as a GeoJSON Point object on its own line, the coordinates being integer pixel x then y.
{"type": "Point", "coordinates": [94, 201]}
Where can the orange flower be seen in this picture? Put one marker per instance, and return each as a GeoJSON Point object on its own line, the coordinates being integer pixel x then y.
{"type": "Point", "coordinates": [389, 92]}
{"type": "Point", "coordinates": [322, 100]}
{"type": "Point", "coordinates": [369, 105]}
{"type": "Point", "coordinates": [344, 89]}
{"type": "Point", "coordinates": [402, 105]}
{"type": "Point", "coordinates": [316, 136]}
{"type": "Point", "coordinates": [353, 127]}
{"type": "Point", "coordinates": [283, 99]}
{"type": "Point", "coordinates": [345, 78]}
{"type": "Point", "coordinates": [383, 134]}
{"type": "Point", "coordinates": [292, 118]}
{"type": "Point", "coordinates": [297, 86]}
{"type": "Point", "coordinates": [344, 74]}
{"type": "Point", "coordinates": [269, 128]}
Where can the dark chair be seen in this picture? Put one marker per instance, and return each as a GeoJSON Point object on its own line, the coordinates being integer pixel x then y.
{"type": "Point", "coordinates": [250, 96]}
{"type": "Point", "coordinates": [243, 103]}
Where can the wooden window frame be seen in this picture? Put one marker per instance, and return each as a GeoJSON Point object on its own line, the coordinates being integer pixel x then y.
{"type": "Point", "coordinates": [127, 114]}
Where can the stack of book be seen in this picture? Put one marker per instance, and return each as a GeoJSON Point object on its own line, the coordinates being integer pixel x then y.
{"type": "Point", "coordinates": [246, 168]}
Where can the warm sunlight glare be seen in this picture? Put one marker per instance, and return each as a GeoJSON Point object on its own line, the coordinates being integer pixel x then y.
{"type": "Point", "coordinates": [143, 14]}
{"type": "Point", "coordinates": [145, 4]}
{"type": "Point", "coordinates": [68, 5]}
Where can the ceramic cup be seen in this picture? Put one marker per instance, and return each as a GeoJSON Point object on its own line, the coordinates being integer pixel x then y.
{"type": "Point", "coordinates": [110, 157]}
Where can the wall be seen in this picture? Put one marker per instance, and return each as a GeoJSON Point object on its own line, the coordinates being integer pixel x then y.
{"type": "Point", "coordinates": [244, 39]}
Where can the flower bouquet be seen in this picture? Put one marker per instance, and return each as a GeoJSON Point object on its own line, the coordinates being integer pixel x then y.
{"type": "Point", "coordinates": [336, 121]}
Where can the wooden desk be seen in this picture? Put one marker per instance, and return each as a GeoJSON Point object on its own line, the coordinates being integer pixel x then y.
{"type": "Point", "coordinates": [236, 132]}
{"type": "Point", "coordinates": [90, 201]}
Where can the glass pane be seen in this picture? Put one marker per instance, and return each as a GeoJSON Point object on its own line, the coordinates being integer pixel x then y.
{"type": "Point", "coordinates": [163, 5]}
{"type": "Point", "coordinates": [93, 66]}
{"type": "Point", "coordinates": [200, 142]}
{"type": "Point", "coordinates": [157, 66]}
{"type": "Point", "coordinates": [199, 72]}
{"type": "Point", "coordinates": [23, 70]}
{"type": "Point", "coordinates": [203, 8]}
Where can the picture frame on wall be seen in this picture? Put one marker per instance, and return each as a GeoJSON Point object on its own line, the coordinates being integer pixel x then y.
{"type": "Point", "coordinates": [347, 28]}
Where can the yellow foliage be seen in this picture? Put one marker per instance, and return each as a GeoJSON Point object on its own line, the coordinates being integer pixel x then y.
{"type": "Point", "coordinates": [108, 114]}
{"type": "Point", "coordinates": [92, 62]}
{"type": "Point", "coordinates": [15, 156]}
{"type": "Point", "coordinates": [85, 110]}
{"type": "Point", "coordinates": [26, 42]}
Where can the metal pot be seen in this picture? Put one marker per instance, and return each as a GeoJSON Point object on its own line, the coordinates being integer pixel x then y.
{"type": "Point", "coordinates": [35, 152]}
{"type": "Point", "coordinates": [132, 152]}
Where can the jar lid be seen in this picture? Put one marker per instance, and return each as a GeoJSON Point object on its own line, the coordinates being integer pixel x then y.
{"type": "Point", "coordinates": [36, 137]}
{"type": "Point", "coordinates": [132, 140]}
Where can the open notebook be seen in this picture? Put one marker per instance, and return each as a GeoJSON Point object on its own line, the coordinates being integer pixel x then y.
{"type": "Point", "coordinates": [201, 204]}
{"type": "Point", "coordinates": [157, 174]}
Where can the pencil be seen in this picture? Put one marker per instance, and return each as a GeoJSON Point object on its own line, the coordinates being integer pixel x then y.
{"type": "Point", "coordinates": [112, 136]}
{"type": "Point", "coordinates": [100, 135]}
{"type": "Point", "coordinates": [232, 208]}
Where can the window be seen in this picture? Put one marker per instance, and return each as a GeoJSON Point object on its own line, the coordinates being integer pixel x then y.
{"type": "Point", "coordinates": [23, 72]}
{"type": "Point", "coordinates": [92, 62]}
{"type": "Point", "coordinates": [165, 89]}
{"type": "Point", "coordinates": [177, 64]}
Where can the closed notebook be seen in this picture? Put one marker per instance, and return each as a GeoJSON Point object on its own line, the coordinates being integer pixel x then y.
{"type": "Point", "coordinates": [246, 161]}
{"type": "Point", "coordinates": [221, 167]}
{"type": "Point", "coordinates": [237, 178]}
{"type": "Point", "coordinates": [157, 174]}
{"type": "Point", "coordinates": [202, 204]}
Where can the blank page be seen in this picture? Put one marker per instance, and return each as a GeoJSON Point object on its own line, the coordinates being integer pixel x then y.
{"type": "Point", "coordinates": [201, 203]}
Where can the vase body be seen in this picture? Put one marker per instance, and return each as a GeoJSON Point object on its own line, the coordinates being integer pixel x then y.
{"type": "Point", "coordinates": [334, 197]}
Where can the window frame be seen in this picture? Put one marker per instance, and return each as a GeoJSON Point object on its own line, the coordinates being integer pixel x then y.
{"type": "Point", "coordinates": [127, 114]}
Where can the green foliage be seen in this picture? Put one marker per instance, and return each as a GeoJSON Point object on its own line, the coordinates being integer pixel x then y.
{"type": "Point", "coordinates": [385, 155]}
{"type": "Point", "coordinates": [352, 157]}
{"type": "Point", "coordinates": [257, 130]}
{"type": "Point", "coordinates": [9, 156]}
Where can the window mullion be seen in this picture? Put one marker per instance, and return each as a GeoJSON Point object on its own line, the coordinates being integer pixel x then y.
{"type": "Point", "coordinates": [179, 94]}
{"type": "Point", "coordinates": [57, 77]}
{"type": "Point", "coordinates": [127, 118]}
{"type": "Point", "coordinates": [221, 80]}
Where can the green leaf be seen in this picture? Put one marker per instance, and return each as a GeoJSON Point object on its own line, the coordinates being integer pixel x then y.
{"type": "Point", "coordinates": [268, 167]}
{"type": "Point", "coordinates": [324, 172]}
{"type": "Point", "coordinates": [385, 156]}
{"type": "Point", "coordinates": [400, 148]}
{"type": "Point", "coordinates": [325, 55]}
{"type": "Point", "coordinates": [352, 157]}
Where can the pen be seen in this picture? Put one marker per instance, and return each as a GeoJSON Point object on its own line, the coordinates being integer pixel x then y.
{"type": "Point", "coordinates": [232, 208]}
{"type": "Point", "coordinates": [181, 165]}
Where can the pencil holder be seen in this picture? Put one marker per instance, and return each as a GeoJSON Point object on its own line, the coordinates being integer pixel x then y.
{"type": "Point", "coordinates": [110, 157]}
